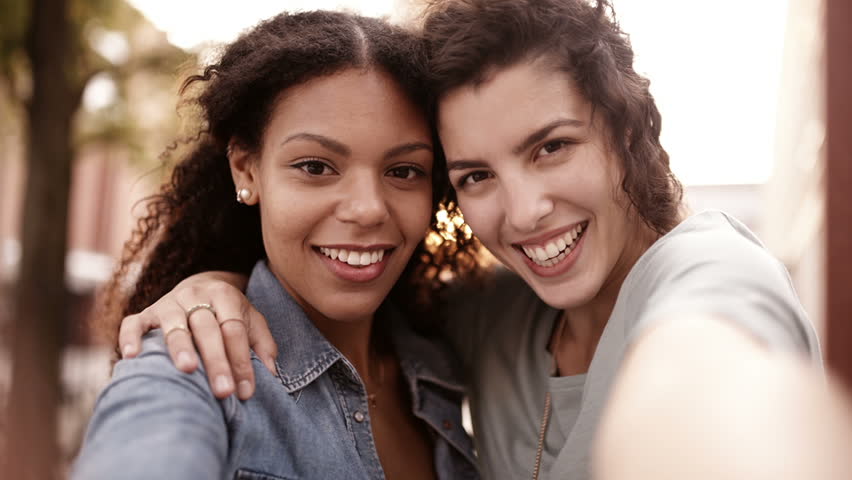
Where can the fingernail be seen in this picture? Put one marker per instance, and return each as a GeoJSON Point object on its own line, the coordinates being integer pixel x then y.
{"type": "Point", "coordinates": [184, 360]}
{"type": "Point", "coordinates": [244, 389]}
{"type": "Point", "coordinates": [223, 384]}
{"type": "Point", "coordinates": [126, 350]}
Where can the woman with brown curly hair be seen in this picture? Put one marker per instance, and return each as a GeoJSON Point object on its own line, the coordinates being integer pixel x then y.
{"type": "Point", "coordinates": [553, 150]}
{"type": "Point", "coordinates": [315, 174]}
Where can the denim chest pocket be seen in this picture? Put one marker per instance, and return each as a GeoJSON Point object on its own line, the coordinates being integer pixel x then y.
{"type": "Point", "coordinates": [246, 474]}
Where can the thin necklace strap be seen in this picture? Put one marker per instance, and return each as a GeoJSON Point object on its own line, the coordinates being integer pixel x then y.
{"type": "Point", "coordinates": [371, 397]}
{"type": "Point", "coordinates": [555, 339]}
{"type": "Point", "coordinates": [542, 433]}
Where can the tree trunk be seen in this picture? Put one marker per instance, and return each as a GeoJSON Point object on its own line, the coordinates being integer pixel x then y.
{"type": "Point", "coordinates": [39, 303]}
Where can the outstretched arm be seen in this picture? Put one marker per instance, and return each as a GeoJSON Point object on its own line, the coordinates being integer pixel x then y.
{"type": "Point", "coordinates": [699, 398]}
{"type": "Point", "coordinates": [223, 334]}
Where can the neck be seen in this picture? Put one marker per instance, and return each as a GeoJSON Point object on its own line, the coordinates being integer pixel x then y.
{"type": "Point", "coordinates": [585, 324]}
{"type": "Point", "coordinates": [352, 337]}
{"type": "Point", "coordinates": [354, 340]}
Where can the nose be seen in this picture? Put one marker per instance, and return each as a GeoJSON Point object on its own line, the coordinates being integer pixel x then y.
{"type": "Point", "coordinates": [364, 202]}
{"type": "Point", "coordinates": [525, 204]}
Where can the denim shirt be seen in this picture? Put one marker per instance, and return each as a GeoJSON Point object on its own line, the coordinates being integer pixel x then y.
{"type": "Point", "coordinates": [311, 420]}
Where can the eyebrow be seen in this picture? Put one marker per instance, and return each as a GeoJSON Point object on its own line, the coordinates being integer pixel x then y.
{"type": "Point", "coordinates": [406, 148]}
{"type": "Point", "coordinates": [341, 149]}
{"type": "Point", "coordinates": [543, 132]}
{"type": "Point", "coordinates": [529, 141]}
{"type": "Point", "coordinates": [326, 142]}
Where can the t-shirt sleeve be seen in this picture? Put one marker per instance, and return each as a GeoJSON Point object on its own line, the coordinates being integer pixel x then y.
{"type": "Point", "coordinates": [725, 272]}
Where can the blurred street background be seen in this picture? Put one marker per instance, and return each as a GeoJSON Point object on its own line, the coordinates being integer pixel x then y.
{"type": "Point", "coordinates": [88, 91]}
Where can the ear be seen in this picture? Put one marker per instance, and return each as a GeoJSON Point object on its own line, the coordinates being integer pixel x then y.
{"type": "Point", "coordinates": [244, 171]}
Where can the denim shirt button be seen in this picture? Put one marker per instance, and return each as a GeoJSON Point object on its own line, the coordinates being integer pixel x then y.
{"type": "Point", "coordinates": [448, 424]}
{"type": "Point", "coordinates": [359, 416]}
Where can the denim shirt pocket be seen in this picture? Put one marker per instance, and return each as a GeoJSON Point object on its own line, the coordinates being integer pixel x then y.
{"type": "Point", "coordinates": [246, 474]}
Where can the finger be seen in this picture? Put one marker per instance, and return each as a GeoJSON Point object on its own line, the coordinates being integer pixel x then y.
{"type": "Point", "coordinates": [178, 338]}
{"type": "Point", "coordinates": [208, 339]}
{"type": "Point", "coordinates": [232, 310]}
{"type": "Point", "coordinates": [130, 333]}
{"type": "Point", "coordinates": [260, 338]}
{"type": "Point", "coordinates": [235, 336]}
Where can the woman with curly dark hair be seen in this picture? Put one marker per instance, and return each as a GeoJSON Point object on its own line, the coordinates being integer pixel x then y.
{"type": "Point", "coordinates": [553, 150]}
{"type": "Point", "coordinates": [315, 174]}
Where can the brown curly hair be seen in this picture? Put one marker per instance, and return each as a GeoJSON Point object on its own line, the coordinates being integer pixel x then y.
{"type": "Point", "coordinates": [467, 40]}
{"type": "Point", "coordinates": [195, 225]}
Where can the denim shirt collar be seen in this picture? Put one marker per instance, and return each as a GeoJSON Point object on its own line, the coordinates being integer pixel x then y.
{"type": "Point", "coordinates": [304, 354]}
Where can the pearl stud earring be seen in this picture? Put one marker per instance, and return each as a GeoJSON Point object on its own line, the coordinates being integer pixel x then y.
{"type": "Point", "coordinates": [243, 195]}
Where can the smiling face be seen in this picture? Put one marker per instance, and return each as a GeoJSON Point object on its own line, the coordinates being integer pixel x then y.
{"type": "Point", "coordinates": [538, 183]}
{"type": "Point", "coordinates": [343, 180]}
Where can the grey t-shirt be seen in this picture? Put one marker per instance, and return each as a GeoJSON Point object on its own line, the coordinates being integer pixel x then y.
{"type": "Point", "coordinates": [710, 263]}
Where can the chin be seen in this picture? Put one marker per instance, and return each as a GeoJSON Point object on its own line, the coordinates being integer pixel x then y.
{"type": "Point", "coordinates": [565, 295]}
{"type": "Point", "coordinates": [348, 309]}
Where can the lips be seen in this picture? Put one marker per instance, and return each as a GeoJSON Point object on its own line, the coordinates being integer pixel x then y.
{"type": "Point", "coordinates": [554, 250]}
{"type": "Point", "coordinates": [555, 253]}
{"type": "Point", "coordinates": [355, 263]}
{"type": "Point", "coordinates": [354, 258]}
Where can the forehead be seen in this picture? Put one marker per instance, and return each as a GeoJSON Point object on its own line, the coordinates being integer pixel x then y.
{"type": "Point", "coordinates": [352, 105]}
{"type": "Point", "coordinates": [507, 106]}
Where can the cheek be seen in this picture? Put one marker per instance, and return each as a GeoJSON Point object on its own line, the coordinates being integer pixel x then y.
{"type": "Point", "coordinates": [483, 216]}
{"type": "Point", "coordinates": [414, 215]}
{"type": "Point", "coordinates": [287, 218]}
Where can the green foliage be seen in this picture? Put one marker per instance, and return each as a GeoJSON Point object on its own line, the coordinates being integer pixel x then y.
{"type": "Point", "coordinates": [154, 61]}
{"type": "Point", "coordinates": [14, 16]}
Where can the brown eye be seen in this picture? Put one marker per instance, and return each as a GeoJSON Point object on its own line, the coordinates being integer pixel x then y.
{"type": "Point", "coordinates": [552, 147]}
{"type": "Point", "coordinates": [474, 178]}
{"type": "Point", "coordinates": [314, 167]}
{"type": "Point", "coordinates": [406, 172]}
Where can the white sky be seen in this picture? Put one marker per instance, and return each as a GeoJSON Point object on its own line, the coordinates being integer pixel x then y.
{"type": "Point", "coordinates": [715, 68]}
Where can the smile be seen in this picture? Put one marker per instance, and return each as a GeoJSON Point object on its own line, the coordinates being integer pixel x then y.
{"type": "Point", "coordinates": [353, 263]}
{"type": "Point", "coordinates": [355, 258]}
{"type": "Point", "coordinates": [556, 249]}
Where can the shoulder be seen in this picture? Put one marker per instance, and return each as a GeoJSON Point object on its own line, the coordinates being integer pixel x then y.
{"type": "Point", "coordinates": [497, 296]}
{"type": "Point", "coordinates": [709, 242]}
{"type": "Point", "coordinates": [499, 308]}
{"type": "Point", "coordinates": [154, 369]}
{"type": "Point", "coordinates": [711, 263]}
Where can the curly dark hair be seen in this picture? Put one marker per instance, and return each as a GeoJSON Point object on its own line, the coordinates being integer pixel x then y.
{"type": "Point", "coordinates": [194, 224]}
{"type": "Point", "coordinates": [467, 40]}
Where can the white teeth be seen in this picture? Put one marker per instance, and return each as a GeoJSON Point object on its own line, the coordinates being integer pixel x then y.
{"type": "Point", "coordinates": [356, 259]}
{"type": "Point", "coordinates": [552, 253]}
{"type": "Point", "coordinates": [551, 250]}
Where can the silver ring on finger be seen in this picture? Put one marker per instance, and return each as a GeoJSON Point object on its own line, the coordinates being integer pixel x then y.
{"type": "Point", "coordinates": [241, 321]}
{"type": "Point", "coordinates": [176, 328]}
